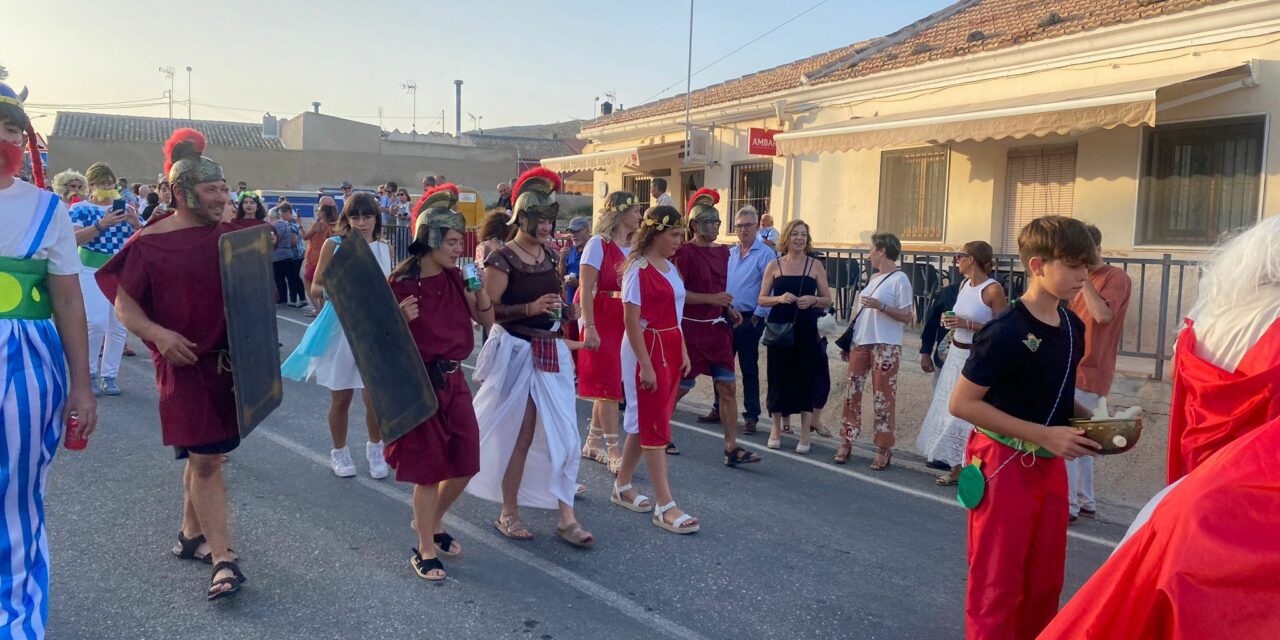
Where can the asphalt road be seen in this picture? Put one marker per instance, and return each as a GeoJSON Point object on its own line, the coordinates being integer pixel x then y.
{"type": "Point", "coordinates": [794, 547]}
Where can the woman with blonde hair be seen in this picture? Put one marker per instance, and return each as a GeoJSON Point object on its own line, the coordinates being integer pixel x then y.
{"type": "Point", "coordinates": [654, 359]}
{"type": "Point", "coordinates": [795, 289]}
{"type": "Point", "coordinates": [600, 367]}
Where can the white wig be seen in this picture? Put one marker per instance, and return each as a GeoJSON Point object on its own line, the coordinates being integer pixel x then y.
{"type": "Point", "coordinates": [1245, 265]}
{"type": "Point", "coordinates": [1239, 295]}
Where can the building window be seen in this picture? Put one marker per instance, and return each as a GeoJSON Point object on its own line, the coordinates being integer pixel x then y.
{"type": "Point", "coordinates": [913, 193]}
{"type": "Point", "coordinates": [1200, 180]}
{"type": "Point", "coordinates": [751, 186]}
{"type": "Point", "coordinates": [640, 186]}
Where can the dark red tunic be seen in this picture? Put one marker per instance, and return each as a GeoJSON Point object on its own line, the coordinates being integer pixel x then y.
{"type": "Point", "coordinates": [707, 333]}
{"type": "Point", "coordinates": [600, 375]}
{"type": "Point", "coordinates": [175, 278]}
{"type": "Point", "coordinates": [448, 445]}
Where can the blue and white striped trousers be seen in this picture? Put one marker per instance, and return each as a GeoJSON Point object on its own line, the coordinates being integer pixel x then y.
{"type": "Point", "coordinates": [32, 396]}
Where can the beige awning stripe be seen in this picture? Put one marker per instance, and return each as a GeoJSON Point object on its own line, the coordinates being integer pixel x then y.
{"type": "Point", "coordinates": [1069, 112]}
{"type": "Point", "coordinates": [1062, 118]}
{"type": "Point", "coordinates": [597, 161]}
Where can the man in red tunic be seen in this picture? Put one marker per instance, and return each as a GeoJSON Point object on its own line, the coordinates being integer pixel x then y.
{"type": "Point", "coordinates": [709, 317]}
{"type": "Point", "coordinates": [167, 287]}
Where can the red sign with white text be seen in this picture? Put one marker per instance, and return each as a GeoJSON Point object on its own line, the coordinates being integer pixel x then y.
{"type": "Point", "coordinates": [761, 142]}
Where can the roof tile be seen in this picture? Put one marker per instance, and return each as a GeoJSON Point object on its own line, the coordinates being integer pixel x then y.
{"type": "Point", "coordinates": [1005, 23]}
{"type": "Point", "coordinates": [105, 126]}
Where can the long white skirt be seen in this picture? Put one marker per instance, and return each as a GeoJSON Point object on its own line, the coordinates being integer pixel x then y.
{"type": "Point", "coordinates": [507, 381]}
{"type": "Point", "coordinates": [943, 436]}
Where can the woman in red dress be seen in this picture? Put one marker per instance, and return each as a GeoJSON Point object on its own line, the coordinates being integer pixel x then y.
{"type": "Point", "coordinates": [599, 365]}
{"type": "Point", "coordinates": [655, 360]}
{"type": "Point", "coordinates": [440, 455]}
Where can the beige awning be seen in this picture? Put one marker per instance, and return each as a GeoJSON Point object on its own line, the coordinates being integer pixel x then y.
{"type": "Point", "coordinates": [1064, 113]}
{"type": "Point", "coordinates": [596, 161]}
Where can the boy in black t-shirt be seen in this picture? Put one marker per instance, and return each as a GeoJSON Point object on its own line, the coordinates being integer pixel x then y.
{"type": "Point", "coordinates": [1018, 389]}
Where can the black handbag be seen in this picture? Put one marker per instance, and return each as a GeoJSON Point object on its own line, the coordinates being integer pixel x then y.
{"type": "Point", "coordinates": [783, 334]}
{"type": "Point", "coordinates": [845, 341]}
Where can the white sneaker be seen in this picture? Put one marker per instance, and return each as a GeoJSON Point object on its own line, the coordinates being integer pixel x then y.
{"type": "Point", "coordinates": [378, 468]}
{"type": "Point", "coordinates": [340, 459]}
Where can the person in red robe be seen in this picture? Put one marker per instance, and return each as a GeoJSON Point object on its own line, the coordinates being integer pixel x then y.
{"type": "Point", "coordinates": [709, 317]}
{"type": "Point", "coordinates": [654, 359]}
{"type": "Point", "coordinates": [440, 455]}
{"type": "Point", "coordinates": [1201, 558]}
{"type": "Point", "coordinates": [600, 294]}
{"type": "Point", "coordinates": [167, 287]}
{"type": "Point", "coordinates": [1204, 566]}
{"type": "Point", "coordinates": [1227, 361]}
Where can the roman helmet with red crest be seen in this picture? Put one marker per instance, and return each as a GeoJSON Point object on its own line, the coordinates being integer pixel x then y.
{"type": "Point", "coordinates": [186, 165]}
{"type": "Point", "coordinates": [534, 195]}
{"type": "Point", "coordinates": [434, 216]}
{"type": "Point", "coordinates": [704, 219]}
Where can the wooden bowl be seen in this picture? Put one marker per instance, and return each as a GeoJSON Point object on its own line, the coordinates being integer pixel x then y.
{"type": "Point", "coordinates": [1115, 436]}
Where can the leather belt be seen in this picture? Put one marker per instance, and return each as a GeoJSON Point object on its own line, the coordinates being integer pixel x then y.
{"type": "Point", "coordinates": [440, 369]}
{"type": "Point", "coordinates": [960, 345]}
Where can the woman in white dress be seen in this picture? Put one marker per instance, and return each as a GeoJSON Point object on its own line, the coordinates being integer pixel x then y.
{"type": "Point", "coordinates": [325, 353]}
{"type": "Point", "coordinates": [943, 436]}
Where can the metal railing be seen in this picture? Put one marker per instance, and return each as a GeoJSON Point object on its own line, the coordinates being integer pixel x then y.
{"type": "Point", "coordinates": [1162, 287]}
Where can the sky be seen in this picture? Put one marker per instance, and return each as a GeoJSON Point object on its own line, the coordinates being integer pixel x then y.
{"type": "Point", "coordinates": [521, 62]}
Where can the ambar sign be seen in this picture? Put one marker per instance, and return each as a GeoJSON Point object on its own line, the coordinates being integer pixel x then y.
{"type": "Point", "coordinates": [761, 142]}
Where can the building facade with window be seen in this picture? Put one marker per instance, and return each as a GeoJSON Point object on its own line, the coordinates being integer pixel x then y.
{"type": "Point", "coordinates": [1152, 119]}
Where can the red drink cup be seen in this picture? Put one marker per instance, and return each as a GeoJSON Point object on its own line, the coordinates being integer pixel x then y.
{"type": "Point", "coordinates": [72, 440]}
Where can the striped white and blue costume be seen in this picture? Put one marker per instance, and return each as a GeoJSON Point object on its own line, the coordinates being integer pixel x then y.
{"type": "Point", "coordinates": [32, 395]}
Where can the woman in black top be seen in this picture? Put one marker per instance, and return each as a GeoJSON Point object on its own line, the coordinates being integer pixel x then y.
{"type": "Point", "coordinates": [795, 289]}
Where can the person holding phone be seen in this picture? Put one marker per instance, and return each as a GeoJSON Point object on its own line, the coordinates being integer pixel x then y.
{"type": "Point", "coordinates": [102, 225]}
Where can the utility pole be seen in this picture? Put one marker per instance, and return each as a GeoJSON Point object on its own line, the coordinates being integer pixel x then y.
{"type": "Point", "coordinates": [169, 73]}
{"type": "Point", "coordinates": [688, 95]}
{"type": "Point", "coordinates": [188, 93]}
{"type": "Point", "coordinates": [410, 87]}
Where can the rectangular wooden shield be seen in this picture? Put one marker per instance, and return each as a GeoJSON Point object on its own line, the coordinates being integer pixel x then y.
{"type": "Point", "coordinates": [249, 297]}
{"type": "Point", "coordinates": [390, 366]}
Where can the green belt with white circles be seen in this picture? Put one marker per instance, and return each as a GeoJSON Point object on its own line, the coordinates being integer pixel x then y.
{"type": "Point", "coordinates": [23, 294]}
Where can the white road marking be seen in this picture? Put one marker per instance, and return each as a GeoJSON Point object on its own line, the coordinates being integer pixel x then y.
{"type": "Point", "coordinates": [472, 533]}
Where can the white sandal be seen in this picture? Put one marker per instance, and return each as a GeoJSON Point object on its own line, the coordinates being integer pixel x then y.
{"type": "Point", "coordinates": [611, 447]}
{"type": "Point", "coordinates": [594, 434]}
{"type": "Point", "coordinates": [674, 527]}
{"type": "Point", "coordinates": [634, 505]}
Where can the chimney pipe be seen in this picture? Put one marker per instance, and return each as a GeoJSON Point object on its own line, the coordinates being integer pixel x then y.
{"type": "Point", "coordinates": [315, 106]}
{"type": "Point", "coordinates": [457, 84]}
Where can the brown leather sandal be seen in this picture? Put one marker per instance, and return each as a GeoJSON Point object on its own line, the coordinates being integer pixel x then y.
{"type": "Point", "coordinates": [883, 458]}
{"type": "Point", "coordinates": [513, 528]}
{"type": "Point", "coordinates": [575, 535]}
{"type": "Point", "coordinates": [842, 454]}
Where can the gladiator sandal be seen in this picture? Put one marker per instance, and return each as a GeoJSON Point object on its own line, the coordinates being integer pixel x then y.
{"type": "Point", "coordinates": [613, 455]}
{"type": "Point", "coordinates": [591, 449]}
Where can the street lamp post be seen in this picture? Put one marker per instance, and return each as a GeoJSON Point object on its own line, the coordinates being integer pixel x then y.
{"type": "Point", "coordinates": [188, 93]}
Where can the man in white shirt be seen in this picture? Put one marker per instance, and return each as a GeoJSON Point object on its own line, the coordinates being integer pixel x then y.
{"type": "Point", "coordinates": [660, 196]}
